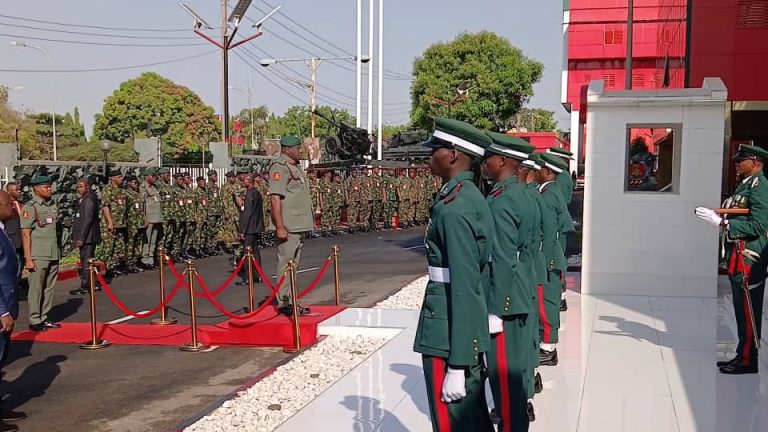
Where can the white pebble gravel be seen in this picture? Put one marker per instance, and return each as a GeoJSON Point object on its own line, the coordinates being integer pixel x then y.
{"type": "Point", "coordinates": [409, 297]}
{"type": "Point", "coordinates": [280, 395]}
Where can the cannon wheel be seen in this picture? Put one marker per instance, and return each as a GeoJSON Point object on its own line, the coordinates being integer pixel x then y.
{"type": "Point", "coordinates": [332, 145]}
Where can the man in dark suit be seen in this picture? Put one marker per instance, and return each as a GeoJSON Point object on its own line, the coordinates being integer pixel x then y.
{"type": "Point", "coordinates": [9, 298]}
{"type": "Point", "coordinates": [13, 225]}
{"type": "Point", "coordinates": [85, 232]}
{"type": "Point", "coordinates": [251, 223]}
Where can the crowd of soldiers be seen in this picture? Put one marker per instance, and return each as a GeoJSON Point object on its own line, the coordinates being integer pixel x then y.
{"type": "Point", "coordinates": [375, 198]}
{"type": "Point", "coordinates": [199, 219]}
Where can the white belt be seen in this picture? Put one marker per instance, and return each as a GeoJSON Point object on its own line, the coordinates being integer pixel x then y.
{"type": "Point", "coordinates": [439, 274]}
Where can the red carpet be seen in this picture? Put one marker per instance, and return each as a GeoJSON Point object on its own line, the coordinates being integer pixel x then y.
{"type": "Point", "coordinates": [267, 329]}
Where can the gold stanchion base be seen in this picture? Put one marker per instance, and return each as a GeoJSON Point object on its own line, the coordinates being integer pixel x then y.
{"type": "Point", "coordinates": [160, 322]}
{"type": "Point", "coordinates": [91, 345]}
{"type": "Point", "coordinates": [291, 350]}
{"type": "Point", "coordinates": [193, 348]}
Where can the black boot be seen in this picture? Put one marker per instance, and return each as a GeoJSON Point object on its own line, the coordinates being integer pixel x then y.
{"type": "Point", "coordinates": [729, 362]}
{"type": "Point", "coordinates": [563, 305]}
{"type": "Point", "coordinates": [739, 369]}
{"type": "Point", "coordinates": [531, 412]}
{"type": "Point", "coordinates": [538, 386]}
{"type": "Point", "coordinates": [548, 358]}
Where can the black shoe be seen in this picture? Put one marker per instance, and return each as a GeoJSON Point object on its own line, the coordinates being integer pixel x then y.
{"type": "Point", "coordinates": [538, 386]}
{"type": "Point", "coordinates": [495, 419]}
{"type": "Point", "coordinates": [241, 283]}
{"type": "Point", "coordinates": [739, 369]}
{"type": "Point", "coordinates": [563, 305]}
{"type": "Point", "coordinates": [531, 413]}
{"type": "Point", "coordinates": [5, 427]}
{"type": "Point", "coordinates": [116, 272]}
{"type": "Point", "coordinates": [12, 416]}
{"type": "Point", "coordinates": [51, 325]}
{"type": "Point", "coordinates": [38, 327]}
{"type": "Point", "coordinates": [288, 310]}
{"type": "Point", "coordinates": [79, 291]}
{"type": "Point", "coordinates": [135, 269]}
{"type": "Point", "coordinates": [548, 358]}
{"type": "Point", "coordinates": [729, 362]}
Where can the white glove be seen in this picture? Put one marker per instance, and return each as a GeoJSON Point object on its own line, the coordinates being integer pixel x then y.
{"type": "Point", "coordinates": [495, 324]}
{"type": "Point", "coordinates": [453, 385]}
{"type": "Point", "coordinates": [708, 216]}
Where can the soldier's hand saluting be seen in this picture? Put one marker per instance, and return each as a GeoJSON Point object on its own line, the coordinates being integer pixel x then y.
{"type": "Point", "coordinates": [453, 385]}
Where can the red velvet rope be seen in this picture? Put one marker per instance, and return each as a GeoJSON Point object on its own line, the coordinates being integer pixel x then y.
{"type": "Point", "coordinates": [229, 280]}
{"type": "Point", "coordinates": [317, 279]}
{"type": "Point", "coordinates": [266, 280]}
{"type": "Point", "coordinates": [217, 305]}
{"type": "Point", "coordinates": [120, 305]}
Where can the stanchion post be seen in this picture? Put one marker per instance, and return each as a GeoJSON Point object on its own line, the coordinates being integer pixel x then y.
{"type": "Point", "coordinates": [163, 320]}
{"type": "Point", "coordinates": [94, 343]}
{"type": "Point", "coordinates": [294, 309]}
{"type": "Point", "coordinates": [249, 263]}
{"type": "Point", "coordinates": [193, 346]}
{"type": "Point", "coordinates": [336, 284]}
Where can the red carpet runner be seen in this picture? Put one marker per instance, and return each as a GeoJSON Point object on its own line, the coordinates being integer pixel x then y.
{"type": "Point", "coordinates": [266, 329]}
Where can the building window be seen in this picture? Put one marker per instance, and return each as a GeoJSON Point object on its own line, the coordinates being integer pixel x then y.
{"type": "Point", "coordinates": [613, 37]}
{"type": "Point", "coordinates": [653, 158]}
{"type": "Point", "coordinates": [610, 80]}
{"type": "Point", "coordinates": [753, 14]}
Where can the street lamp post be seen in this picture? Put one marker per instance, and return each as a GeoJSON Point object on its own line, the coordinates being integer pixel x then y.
{"type": "Point", "coordinates": [53, 88]}
{"type": "Point", "coordinates": [313, 63]}
{"type": "Point", "coordinates": [106, 147]}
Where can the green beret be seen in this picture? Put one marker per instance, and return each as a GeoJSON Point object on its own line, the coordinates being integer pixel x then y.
{"type": "Point", "coordinates": [563, 153]}
{"type": "Point", "coordinates": [450, 133]}
{"type": "Point", "coordinates": [148, 171]}
{"type": "Point", "coordinates": [163, 170]}
{"type": "Point", "coordinates": [289, 141]}
{"type": "Point", "coordinates": [114, 172]}
{"type": "Point", "coordinates": [40, 180]}
{"type": "Point", "coordinates": [508, 145]}
{"type": "Point", "coordinates": [212, 172]}
{"type": "Point", "coordinates": [554, 163]}
{"type": "Point", "coordinates": [747, 151]}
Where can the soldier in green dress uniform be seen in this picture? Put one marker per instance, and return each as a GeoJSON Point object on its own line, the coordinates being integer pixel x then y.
{"type": "Point", "coordinates": [565, 183]}
{"type": "Point", "coordinates": [510, 299]}
{"type": "Point", "coordinates": [292, 213]}
{"type": "Point", "coordinates": [40, 223]}
{"type": "Point", "coordinates": [180, 234]}
{"type": "Point", "coordinates": [452, 333]}
{"type": "Point", "coordinates": [153, 206]}
{"type": "Point", "coordinates": [554, 211]}
{"type": "Point", "coordinates": [746, 254]}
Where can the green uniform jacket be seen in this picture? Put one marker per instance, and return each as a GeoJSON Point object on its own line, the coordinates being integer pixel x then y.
{"type": "Point", "coordinates": [42, 217]}
{"type": "Point", "coordinates": [752, 193]}
{"type": "Point", "coordinates": [137, 215]}
{"type": "Point", "coordinates": [201, 204]}
{"type": "Point", "coordinates": [454, 319]}
{"type": "Point", "coordinates": [565, 184]}
{"type": "Point", "coordinates": [167, 200]}
{"type": "Point", "coordinates": [511, 291]}
{"type": "Point", "coordinates": [534, 253]}
{"type": "Point", "coordinates": [115, 200]}
{"type": "Point", "coordinates": [152, 202]}
{"type": "Point", "coordinates": [287, 179]}
{"type": "Point", "coordinates": [552, 215]}
{"type": "Point", "coordinates": [214, 199]}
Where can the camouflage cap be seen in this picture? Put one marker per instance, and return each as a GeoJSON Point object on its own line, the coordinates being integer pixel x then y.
{"type": "Point", "coordinates": [40, 180]}
{"type": "Point", "coordinates": [163, 170]}
{"type": "Point", "coordinates": [148, 171]}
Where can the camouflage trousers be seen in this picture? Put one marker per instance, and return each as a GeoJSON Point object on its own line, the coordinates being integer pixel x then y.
{"type": "Point", "coordinates": [170, 228]}
{"type": "Point", "coordinates": [179, 238]}
{"type": "Point", "coordinates": [113, 247]}
{"type": "Point", "coordinates": [406, 211]}
{"type": "Point", "coordinates": [189, 240]}
{"type": "Point", "coordinates": [228, 230]}
{"type": "Point", "coordinates": [390, 208]}
{"type": "Point", "coordinates": [353, 214]}
{"type": "Point", "coordinates": [330, 218]}
{"type": "Point", "coordinates": [202, 233]}
{"type": "Point", "coordinates": [136, 238]}
{"type": "Point", "coordinates": [212, 230]}
{"type": "Point", "coordinates": [377, 207]}
{"type": "Point", "coordinates": [366, 209]}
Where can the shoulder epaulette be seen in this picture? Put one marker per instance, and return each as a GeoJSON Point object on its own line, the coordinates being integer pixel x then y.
{"type": "Point", "coordinates": [499, 191]}
{"type": "Point", "coordinates": [755, 182]}
{"type": "Point", "coordinates": [454, 194]}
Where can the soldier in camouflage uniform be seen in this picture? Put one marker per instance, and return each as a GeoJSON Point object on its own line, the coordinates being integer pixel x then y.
{"type": "Point", "coordinates": [390, 194]}
{"type": "Point", "coordinates": [215, 211]}
{"type": "Point", "coordinates": [170, 208]}
{"type": "Point", "coordinates": [150, 193]}
{"type": "Point", "coordinates": [262, 185]}
{"type": "Point", "coordinates": [240, 192]}
{"type": "Point", "coordinates": [353, 200]}
{"type": "Point", "coordinates": [178, 194]}
{"type": "Point", "coordinates": [137, 223]}
{"type": "Point", "coordinates": [377, 198]}
{"type": "Point", "coordinates": [329, 204]}
{"type": "Point", "coordinates": [114, 230]}
{"type": "Point", "coordinates": [339, 190]}
{"type": "Point", "coordinates": [230, 212]}
{"type": "Point", "coordinates": [200, 212]}
{"type": "Point", "coordinates": [424, 195]}
{"type": "Point", "coordinates": [189, 212]}
{"type": "Point", "coordinates": [366, 200]}
{"type": "Point", "coordinates": [405, 208]}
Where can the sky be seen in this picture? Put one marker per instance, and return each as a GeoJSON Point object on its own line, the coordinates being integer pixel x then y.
{"type": "Point", "coordinates": [329, 28]}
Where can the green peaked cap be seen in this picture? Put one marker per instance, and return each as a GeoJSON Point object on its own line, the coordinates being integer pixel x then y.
{"type": "Point", "coordinates": [289, 141]}
{"type": "Point", "coordinates": [553, 162]}
{"type": "Point", "coordinates": [463, 136]}
{"type": "Point", "coordinates": [40, 180]}
{"type": "Point", "coordinates": [508, 145]}
{"type": "Point", "coordinates": [563, 153]}
{"type": "Point", "coordinates": [747, 151]}
{"type": "Point", "coordinates": [533, 161]}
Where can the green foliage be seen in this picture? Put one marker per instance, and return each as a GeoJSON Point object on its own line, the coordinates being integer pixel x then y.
{"type": "Point", "coordinates": [638, 147]}
{"type": "Point", "coordinates": [151, 104]}
{"type": "Point", "coordinates": [498, 78]}
{"type": "Point", "coordinates": [534, 119]}
{"type": "Point", "coordinates": [297, 121]}
{"type": "Point", "coordinates": [258, 116]}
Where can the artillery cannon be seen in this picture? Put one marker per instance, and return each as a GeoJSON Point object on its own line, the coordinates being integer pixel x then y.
{"type": "Point", "coordinates": [349, 142]}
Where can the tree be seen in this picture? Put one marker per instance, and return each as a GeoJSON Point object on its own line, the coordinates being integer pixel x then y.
{"type": "Point", "coordinates": [638, 147]}
{"type": "Point", "coordinates": [258, 117]}
{"type": "Point", "coordinates": [156, 106]}
{"type": "Point", "coordinates": [534, 119]}
{"type": "Point", "coordinates": [479, 78]}
{"type": "Point", "coordinates": [297, 121]}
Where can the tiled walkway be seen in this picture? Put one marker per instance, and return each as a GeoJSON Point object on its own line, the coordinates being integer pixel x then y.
{"type": "Point", "coordinates": [627, 363]}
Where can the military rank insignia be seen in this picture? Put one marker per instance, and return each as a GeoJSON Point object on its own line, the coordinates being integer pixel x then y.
{"type": "Point", "coordinates": [277, 176]}
{"type": "Point", "coordinates": [25, 214]}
